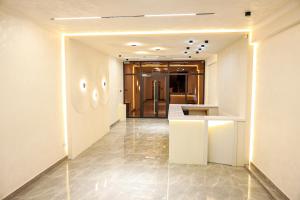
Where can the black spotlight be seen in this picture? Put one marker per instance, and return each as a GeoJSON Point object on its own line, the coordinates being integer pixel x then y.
{"type": "Point", "coordinates": [185, 52]}
{"type": "Point", "coordinates": [248, 13]}
{"type": "Point", "coordinates": [127, 59]}
{"type": "Point", "coordinates": [197, 52]}
{"type": "Point", "coordinates": [199, 49]}
{"type": "Point", "coordinates": [190, 56]}
{"type": "Point", "coordinates": [206, 41]}
{"type": "Point", "coordinates": [187, 47]}
{"type": "Point", "coordinates": [202, 45]}
{"type": "Point", "coordinates": [120, 55]}
{"type": "Point", "coordinates": [191, 41]}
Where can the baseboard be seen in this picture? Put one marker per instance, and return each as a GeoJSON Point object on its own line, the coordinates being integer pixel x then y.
{"type": "Point", "coordinates": [13, 194]}
{"type": "Point", "coordinates": [272, 189]}
{"type": "Point", "coordinates": [113, 124]}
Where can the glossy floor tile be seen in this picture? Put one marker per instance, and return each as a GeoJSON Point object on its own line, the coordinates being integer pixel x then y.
{"type": "Point", "coordinates": [131, 162]}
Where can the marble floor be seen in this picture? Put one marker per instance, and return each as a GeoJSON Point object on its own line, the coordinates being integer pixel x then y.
{"type": "Point", "coordinates": [131, 162]}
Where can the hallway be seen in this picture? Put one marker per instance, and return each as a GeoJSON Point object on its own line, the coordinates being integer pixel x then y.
{"type": "Point", "coordinates": [131, 162]}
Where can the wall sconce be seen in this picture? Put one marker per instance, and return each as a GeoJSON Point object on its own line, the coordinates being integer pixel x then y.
{"type": "Point", "coordinates": [104, 84]}
{"type": "Point", "coordinates": [83, 85]}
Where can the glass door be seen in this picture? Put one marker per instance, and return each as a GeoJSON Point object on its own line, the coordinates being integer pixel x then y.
{"type": "Point", "coordinates": [154, 95]}
{"type": "Point", "coordinates": [149, 86]}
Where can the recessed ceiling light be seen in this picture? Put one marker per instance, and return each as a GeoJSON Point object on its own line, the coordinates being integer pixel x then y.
{"type": "Point", "coordinates": [200, 49]}
{"type": "Point", "coordinates": [206, 41]}
{"type": "Point", "coordinates": [185, 52]}
{"type": "Point", "coordinates": [190, 56]}
{"type": "Point", "coordinates": [191, 42]}
{"type": "Point", "coordinates": [202, 45]}
{"type": "Point", "coordinates": [187, 48]}
{"type": "Point", "coordinates": [134, 44]}
{"type": "Point", "coordinates": [197, 52]}
{"type": "Point", "coordinates": [157, 48]}
{"type": "Point", "coordinates": [248, 13]}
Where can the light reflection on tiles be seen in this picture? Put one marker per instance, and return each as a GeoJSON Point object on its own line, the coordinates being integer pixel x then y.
{"type": "Point", "coordinates": [131, 162]}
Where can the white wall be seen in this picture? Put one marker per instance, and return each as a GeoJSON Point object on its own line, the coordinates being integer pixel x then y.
{"type": "Point", "coordinates": [277, 111]}
{"type": "Point", "coordinates": [115, 88]}
{"type": "Point", "coordinates": [89, 119]}
{"type": "Point", "coordinates": [232, 75]}
{"type": "Point", "coordinates": [31, 130]}
{"type": "Point", "coordinates": [211, 80]}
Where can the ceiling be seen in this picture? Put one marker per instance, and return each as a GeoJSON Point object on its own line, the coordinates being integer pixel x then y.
{"type": "Point", "coordinates": [229, 13]}
{"type": "Point", "coordinates": [171, 46]}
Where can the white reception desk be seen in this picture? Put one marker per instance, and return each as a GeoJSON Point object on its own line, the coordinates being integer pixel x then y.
{"type": "Point", "coordinates": [207, 137]}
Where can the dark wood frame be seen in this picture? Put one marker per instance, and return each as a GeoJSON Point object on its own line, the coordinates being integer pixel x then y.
{"type": "Point", "coordinates": [140, 78]}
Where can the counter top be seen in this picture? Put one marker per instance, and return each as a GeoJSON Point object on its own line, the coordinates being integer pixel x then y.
{"type": "Point", "coordinates": [176, 113]}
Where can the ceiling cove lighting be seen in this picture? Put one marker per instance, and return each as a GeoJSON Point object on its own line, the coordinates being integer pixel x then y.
{"type": "Point", "coordinates": [132, 16]}
{"type": "Point", "coordinates": [162, 32]}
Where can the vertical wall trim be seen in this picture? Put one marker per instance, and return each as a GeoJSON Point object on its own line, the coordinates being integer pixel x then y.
{"type": "Point", "coordinates": [64, 93]}
{"type": "Point", "coordinates": [253, 97]}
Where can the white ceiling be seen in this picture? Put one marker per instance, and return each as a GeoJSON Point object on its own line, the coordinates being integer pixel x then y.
{"type": "Point", "coordinates": [172, 46]}
{"type": "Point", "coordinates": [229, 13]}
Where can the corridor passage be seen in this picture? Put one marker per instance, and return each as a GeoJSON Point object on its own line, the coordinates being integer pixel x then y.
{"type": "Point", "coordinates": [131, 162]}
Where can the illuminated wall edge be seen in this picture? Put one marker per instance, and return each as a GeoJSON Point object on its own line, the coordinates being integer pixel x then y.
{"type": "Point", "coordinates": [64, 93]}
{"type": "Point", "coordinates": [253, 96]}
{"type": "Point", "coordinates": [63, 69]}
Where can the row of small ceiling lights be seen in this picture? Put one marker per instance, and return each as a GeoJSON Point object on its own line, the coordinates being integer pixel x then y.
{"type": "Point", "coordinates": [136, 44]}
{"type": "Point", "coordinates": [190, 42]}
{"type": "Point", "coordinates": [198, 49]}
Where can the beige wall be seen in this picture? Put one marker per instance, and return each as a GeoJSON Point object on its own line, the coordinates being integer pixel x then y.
{"type": "Point", "coordinates": [89, 119]}
{"type": "Point", "coordinates": [115, 88]}
{"type": "Point", "coordinates": [277, 129]}
{"type": "Point", "coordinates": [211, 78]}
{"type": "Point", "coordinates": [31, 130]}
{"type": "Point", "coordinates": [232, 78]}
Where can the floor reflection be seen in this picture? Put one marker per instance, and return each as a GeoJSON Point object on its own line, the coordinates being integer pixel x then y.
{"type": "Point", "coordinates": [131, 162]}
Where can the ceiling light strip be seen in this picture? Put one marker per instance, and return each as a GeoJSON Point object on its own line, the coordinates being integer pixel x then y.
{"type": "Point", "coordinates": [123, 16]}
{"type": "Point", "coordinates": [74, 18]}
{"type": "Point", "coordinates": [208, 13]}
{"type": "Point", "coordinates": [171, 15]}
{"type": "Point", "coordinates": [131, 16]}
{"type": "Point", "coordinates": [162, 32]}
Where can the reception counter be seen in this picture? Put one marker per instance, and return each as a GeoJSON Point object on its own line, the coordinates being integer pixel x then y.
{"type": "Point", "coordinates": [198, 135]}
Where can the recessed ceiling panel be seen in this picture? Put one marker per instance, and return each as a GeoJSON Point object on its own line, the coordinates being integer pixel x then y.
{"type": "Point", "coordinates": [161, 47]}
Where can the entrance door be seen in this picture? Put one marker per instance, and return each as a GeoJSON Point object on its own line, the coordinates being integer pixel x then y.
{"type": "Point", "coordinates": [154, 95]}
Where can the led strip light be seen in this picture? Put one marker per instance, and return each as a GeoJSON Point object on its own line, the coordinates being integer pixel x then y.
{"type": "Point", "coordinates": [131, 16]}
